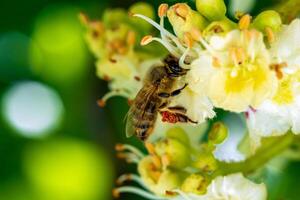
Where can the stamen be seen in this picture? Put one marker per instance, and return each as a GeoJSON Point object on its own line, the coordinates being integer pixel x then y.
{"type": "Point", "coordinates": [270, 35]}
{"type": "Point", "coordinates": [182, 59]}
{"type": "Point", "coordinates": [130, 177]}
{"type": "Point", "coordinates": [244, 22]}
{"type": "Point", "coordinates": [161, 29]}
{"type": "Point", "coordinates": [146, 40]}
{"type": "Point", "coordinates": [83, 18]}
{"type": "Point", "coordinates": [216, 62]}
{"type": "Point", "coordinates": [129, 157]}
{"type": "Point", "coordinates": [156, 161]}
{"type": "Point", "coordinates": [166, 160]}
{"type": "Point", "coordinates": [111, 94]}
{"type": "Point", "coordinates": [181, 10]}
{"type": "Point", "coordinates": [101, 103]}
{"type": "Point", "coordinates": [196, 34]}
{"type": "Point", "coordinates": [134, 150]}
{"type": "Point", "coordinates": [137, 191]}
{"type": "Point", "coordinates": [188, 40]}
{"type": "Point", "coordinates": [168, 46]}
{"type": "Point", "coordinates": [131, 36]}
{"type": "Point", "coordinates": [182, 194]}
{"type": "Point", "coordinates": [162, 10]}
{"type": "Point", "coordinates": [150, 148]}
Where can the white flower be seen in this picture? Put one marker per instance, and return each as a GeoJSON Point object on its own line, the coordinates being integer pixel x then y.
{"type": "Point", "coordinates": [281, 113]}
{"type": "Point", "coordinates": [286, 49]}
{"type": "Point", "coordinates": [234, 73]}
{"type": "Point", "coordinates": [233, 187]}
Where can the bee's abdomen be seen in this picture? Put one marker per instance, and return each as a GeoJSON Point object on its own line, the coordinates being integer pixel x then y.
{"type": "Point", "coordinates": [144, 119]}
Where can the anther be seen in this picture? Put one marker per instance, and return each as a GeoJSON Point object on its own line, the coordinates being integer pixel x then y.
{"type": "Point", "coordinates": [83, 18]}
{"type": "Point", "coordinates": [244, 22]}
{"type": "Point", "coordinates": [196, 34]}
{"type": "Point", "coordinates": [188, 40]}
{"type": "Point", "coordinates": [181, 10]}
{"type": "Point", "coordinates": [131, 38]}
{"type": "Point", "coordinates": [150, 148]}
{"type": "Point", "coordinates": [146, 40]}
{"type": "Point", "coordinates": [101, 103]}
{"type": "Point", "coordinates": [270, 35]}
{"type": "Point", "coordinates": [166, 160]}
{"type": "Point", "coordinates": [119, 147]}
{"type": "Point", "coordinates": [116, 193]}
{"type": "Point", "coordinates": [156, 161]}
{"type": "Point", "coordinates": [162, 10]}
{"type": "Point", "coordinates": [216, 62]}
{"type": "Point", "coordinates": [123, 178]}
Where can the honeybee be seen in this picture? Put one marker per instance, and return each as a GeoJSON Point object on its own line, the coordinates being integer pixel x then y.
{"type": "Point", "coordinates": [153, 97]}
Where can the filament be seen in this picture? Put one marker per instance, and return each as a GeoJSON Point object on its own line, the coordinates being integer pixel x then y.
{"type": "Point", "coordinates": [168, 46]}
{"type": "Point", "coordinates": [138, 191]}
{"type": "Point", "coordinates": [131, 177]}
{"type": "Point", "coordinates": [182, 194]}
{"type": "Point", "coordinates": [134, 150]}
{"type": "Point", "coordinates": [162, 30]}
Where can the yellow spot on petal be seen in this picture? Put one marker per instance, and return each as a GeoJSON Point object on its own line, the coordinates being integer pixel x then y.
{"type": "Point", "coordinates": [284, 94]}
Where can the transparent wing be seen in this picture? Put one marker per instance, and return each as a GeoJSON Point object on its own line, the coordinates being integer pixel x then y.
{"type": "Point", "coordinates": [141, 101]}
{"type": "Point", "coordinates": [129, 125]}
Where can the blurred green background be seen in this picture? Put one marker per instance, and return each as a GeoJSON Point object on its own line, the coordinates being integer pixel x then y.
{"type": "Point", "coordinates": [55, 142]}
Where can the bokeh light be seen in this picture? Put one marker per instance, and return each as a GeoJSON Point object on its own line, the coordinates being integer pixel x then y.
{"type": "Point", "coordinates": [32, 108]}
{"type": "Point", "coordinates": [58, 53]}
{"type": "Point", "coordinates": [68, 169]}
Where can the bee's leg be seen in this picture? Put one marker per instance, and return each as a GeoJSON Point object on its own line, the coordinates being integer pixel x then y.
{"type": "Point", "coordinates": [183, 118]}
{"type": "Point", "coordinates": [163, 105]}
{"type": "Point", "coordinates": [178, 109]}
{"type": "Point", "coordinates": [172, 94]}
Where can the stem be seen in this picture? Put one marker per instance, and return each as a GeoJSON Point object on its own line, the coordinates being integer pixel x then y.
{"type": "Point", "coordinates": [271, 147]}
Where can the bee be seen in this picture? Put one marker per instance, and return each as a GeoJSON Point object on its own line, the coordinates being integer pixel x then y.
{"type": "Point", "coordinates": [154, 96]}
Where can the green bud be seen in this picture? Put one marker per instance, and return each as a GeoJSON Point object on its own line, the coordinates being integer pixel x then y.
{"type": "Point", "coordinates": [145, 9]}
{"type": "Point", "coordinates": [168, 181]}
{"type": "Point", "coordinates": [219, 27]}
{"type": "Point", "coordinates": [179, 134]}
{"type": "Point", "coordinates": [195, 183]}
{"type": "Point", "coordinates": [114, 17]}
{"type": "Point", "coordinates": [173, 153]}
{"type": "Point", "coordinates": [206, 162]}
{"type": "Point", "coordinates": [211, 9]}
{"type": "Point", "coordinates": [184, 19]}
{"type": "Point", "coordinates": [269, 18]}
{"type": "Point", "coordinates": [218, 133]}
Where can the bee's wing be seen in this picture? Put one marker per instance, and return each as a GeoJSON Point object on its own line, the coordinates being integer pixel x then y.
{"type": "Point", "coordinates": [142, 100]}
{"type": "Point", "coordinates": [129, 125]}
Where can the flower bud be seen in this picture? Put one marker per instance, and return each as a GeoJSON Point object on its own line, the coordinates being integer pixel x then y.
{"type": "Point", "coordinates": [218, 133]}
{"type": "Point", "coordinates": [173, 153]}
{"type": "Point", "coordinates": [184, 19]}
{"type": "Point", "coordinates": [219, 27]}
{"type": "Point", "coordinates": [195, 183]}
{"type": "Point", "coordinates": [145, 9]}
{"type": "Point", "coordinates": [269, 18]}
{"type": "Point", "coordinates": [211, 9]}
{"type": "Point", "coordinates": [179, 134]}
{"type": "Point", "coordinates": [168, 181]}
{"type": "Point", "coordinates": [206, 162]}
{"type": "Point", "coordinates": [159, 181]}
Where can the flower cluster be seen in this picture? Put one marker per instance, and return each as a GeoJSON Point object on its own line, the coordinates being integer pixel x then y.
{"type": "Point", "coordinates": [176, 169]}
{"type": "Point", "coordinates": [249, 66]}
